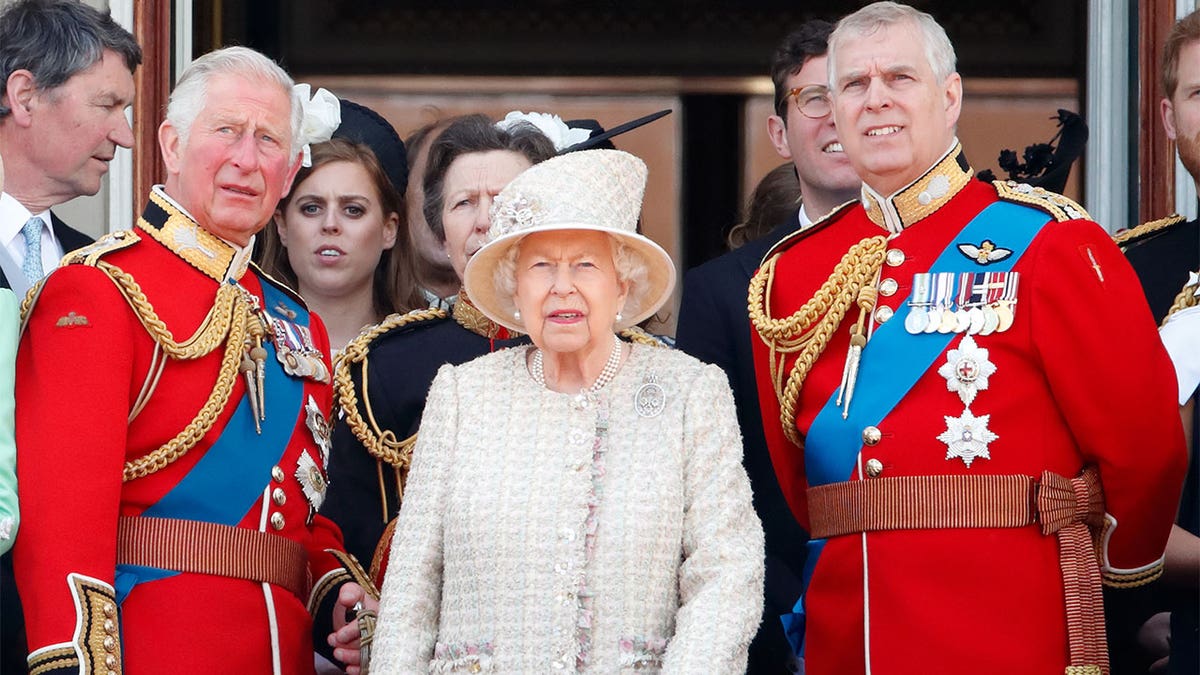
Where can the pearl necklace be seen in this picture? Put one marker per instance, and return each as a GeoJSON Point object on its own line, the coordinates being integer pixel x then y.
{"type": "Point", "coordinates": [606, 375]}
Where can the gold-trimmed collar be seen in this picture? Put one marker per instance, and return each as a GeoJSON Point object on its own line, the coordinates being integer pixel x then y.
{"type": "Point", "coordinates": [474, 320]}
{"type": "Point", "coordinates": [170, 226]}
{"type": "Point", "coordinates": [922, 197]}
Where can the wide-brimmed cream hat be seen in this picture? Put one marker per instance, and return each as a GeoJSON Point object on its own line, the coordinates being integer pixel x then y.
{"type": "Point", "coordinates": [598, 190]}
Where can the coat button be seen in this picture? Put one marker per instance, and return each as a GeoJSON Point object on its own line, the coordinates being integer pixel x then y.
{"type": "Point", "coordinates": [277, 474]}
{"type": "Point", "coordinates": [277, 521]}
{"type": "Point", "coordinates": [278, 496]}
{"type": "Point", "coordinates": [888, 287]}
{"type": "Point", "coordinates": [895, 257]}
{"type": "Point", "coordinates": [871, 435]}
{"type": "Point", "coordinates": [883, 314]}
{"type": "Point", "coordinates": [874, 467]}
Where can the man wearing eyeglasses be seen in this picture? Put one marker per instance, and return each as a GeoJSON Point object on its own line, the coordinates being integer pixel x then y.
{"type": "Point", "coordinates": [712, 318]}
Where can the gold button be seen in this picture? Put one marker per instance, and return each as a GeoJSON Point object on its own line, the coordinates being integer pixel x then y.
{"type": "Point", "coordinates": [277, 520]}
{"type": "Point", "coordinates": [110, 644]}
{"type": "Point", "coordinates": [278, 496]}
{"type": "Point", "coordinates": [110, 610]}
{"type": "Point", "coordinates": [874, 467]}
{"type": "Point", "coordinates": [110, 626]}
{"type": "Point", "coordinates": [871, 435]}
{"type": "Point", "coordinates": [895, 257]}
{"type": "Point", "coordinates": [277, 474]}
{"type": "Point", "coordinates": [888, 287]}
{"type": "Point", "coordinates": [883, 314]}
{"type": "Point", "coordinates": [110, 662]}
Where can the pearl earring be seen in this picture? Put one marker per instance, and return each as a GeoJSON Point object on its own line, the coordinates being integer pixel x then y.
{"type": "Point", "coordinates": [517, 314]}
{"type": "Point", "coordinates": [619, 317]}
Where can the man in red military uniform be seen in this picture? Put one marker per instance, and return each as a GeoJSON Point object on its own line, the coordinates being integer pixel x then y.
{"type": "Point", "coordinates": [174, 417]}
{"type": "Point", "coordinates": [938, 373]}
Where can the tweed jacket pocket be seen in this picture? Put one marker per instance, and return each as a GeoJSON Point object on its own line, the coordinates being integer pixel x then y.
{"type": "Point", "coordinates": [462, 657]}
{"type": "Point", "coordinates": [641, 654]}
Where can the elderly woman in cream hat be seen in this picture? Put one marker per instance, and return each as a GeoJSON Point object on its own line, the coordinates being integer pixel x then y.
{"type": "Point", "coordinates": [578, 505]}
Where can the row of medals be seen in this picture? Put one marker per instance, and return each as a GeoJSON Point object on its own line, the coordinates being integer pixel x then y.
{"type": "Point", "coordinates": [975, 303]}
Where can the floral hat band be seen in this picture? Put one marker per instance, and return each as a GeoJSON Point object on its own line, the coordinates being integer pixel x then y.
{"type": "Point", "coordinates": [594, 190]}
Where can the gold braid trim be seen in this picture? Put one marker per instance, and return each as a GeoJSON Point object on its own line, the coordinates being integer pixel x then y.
{"type": "Point", "coordinates": [208, 336]}
{"type": "Point", "coordinates": [228, 321]}
{"type": "Point", "coordinates": [380, 443]}
{"type": "Point", "coordinates": [381, 549]}
{"type": "Point", "coordinates": [1132, 579]}
{"type": "Point", "coordinates": [1133, 233]}
{"type": "Point", "coordinates": [352, 567]}
{"type": "Point", "coordinates": [50, 660]}
{"type": "Point", "coordinates": [223, 388]}
{"type": "Point", "coordinates": [809, 328]}
{"type": "Point", "coordinates": [1186, 298]}
{"type": "Point", "coordinates": [640, 337]}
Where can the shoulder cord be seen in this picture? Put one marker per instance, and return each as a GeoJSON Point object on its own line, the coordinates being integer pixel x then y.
{"type": "Point", "coordinates": [1186, 298]}
{"type": "Point", "coordinates": [380, 443]}
{"type": "Point", "coordinates": [809, 329]}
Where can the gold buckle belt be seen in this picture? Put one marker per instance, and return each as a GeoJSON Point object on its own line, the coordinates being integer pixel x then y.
{"type": "Point", "coordinates": [209, 548]}
{"type": "Point", "coordinates": [1062, 506]}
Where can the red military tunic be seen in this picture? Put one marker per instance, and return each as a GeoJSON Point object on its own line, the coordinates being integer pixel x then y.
{"type": "Point", "coordinates": [975, 599]}
{"type": "Point", "coordinates": [99, 390]}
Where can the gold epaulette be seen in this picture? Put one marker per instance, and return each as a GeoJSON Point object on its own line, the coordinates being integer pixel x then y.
{"type": "Point", "coordinates": [88, 255]}
{"type": "Point", "coordinates": [382, 444]}
{"type": "Point", "coordinates": [1136, 234]}
{"type": "Point", "coordinates": [638, 336]}
{"type": "Point", "coordinates": [1062, 208]}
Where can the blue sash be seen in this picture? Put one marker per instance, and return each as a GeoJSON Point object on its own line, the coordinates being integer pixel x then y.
{"type": "Point", "coordinates": [229, 478]}
{"type": "Point", "coordinates": [892, 363]}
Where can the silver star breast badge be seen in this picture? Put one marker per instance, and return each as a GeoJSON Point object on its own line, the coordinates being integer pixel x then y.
{"type": "Point", "coordinates": [967, 437]}
{"type": "Point", "coordinates": [967, 369]}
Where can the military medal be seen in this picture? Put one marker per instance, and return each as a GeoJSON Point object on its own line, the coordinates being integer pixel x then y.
{"type": "Point", "coordinates": [312, 482]}
{"type": "Point", "coordinates": [917, 318]}
{"type": "Point", "coordinates": [962, 316]}
{"type": "Point", "coordinates": [967, 437]}
{"type": "Point", "coordinates": [1007, 303]}
{"type": "Point", "coordinates": [295, 350]}
{"type": "Point", "coordinates": [945, 302]}
{"type": "Point", "coordinates": [318, 426]}
{"type": "Point", "coordinates": [967, 369]}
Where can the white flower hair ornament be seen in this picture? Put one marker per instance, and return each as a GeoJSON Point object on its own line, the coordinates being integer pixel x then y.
{"type": "Point", "coordinates": [322, 115]}
{"type": "Point", "coordinates": [551, 126]}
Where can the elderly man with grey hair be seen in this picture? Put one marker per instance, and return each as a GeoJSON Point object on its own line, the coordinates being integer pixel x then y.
{"type": "Point", "coordinates": [171, 518]}
{"type": "Point", "coordinates": [940, 399]}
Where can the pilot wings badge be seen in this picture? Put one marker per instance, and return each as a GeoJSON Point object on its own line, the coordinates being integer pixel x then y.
{"type": "Point", "coordinates": [985, 253]}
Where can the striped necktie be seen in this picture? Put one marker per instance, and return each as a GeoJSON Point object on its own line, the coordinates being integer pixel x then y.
{"type": "Point", "coordinates": [32, 265]}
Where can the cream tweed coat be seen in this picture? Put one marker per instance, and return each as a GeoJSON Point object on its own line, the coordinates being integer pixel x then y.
{"type": "Point", "coordinates": [545, 533]}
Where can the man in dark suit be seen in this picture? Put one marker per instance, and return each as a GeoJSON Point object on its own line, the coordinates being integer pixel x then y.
{"type": "Point", "coordinates": [66, 80]}
{"type": "Point", "coordinates": [713, 324]}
